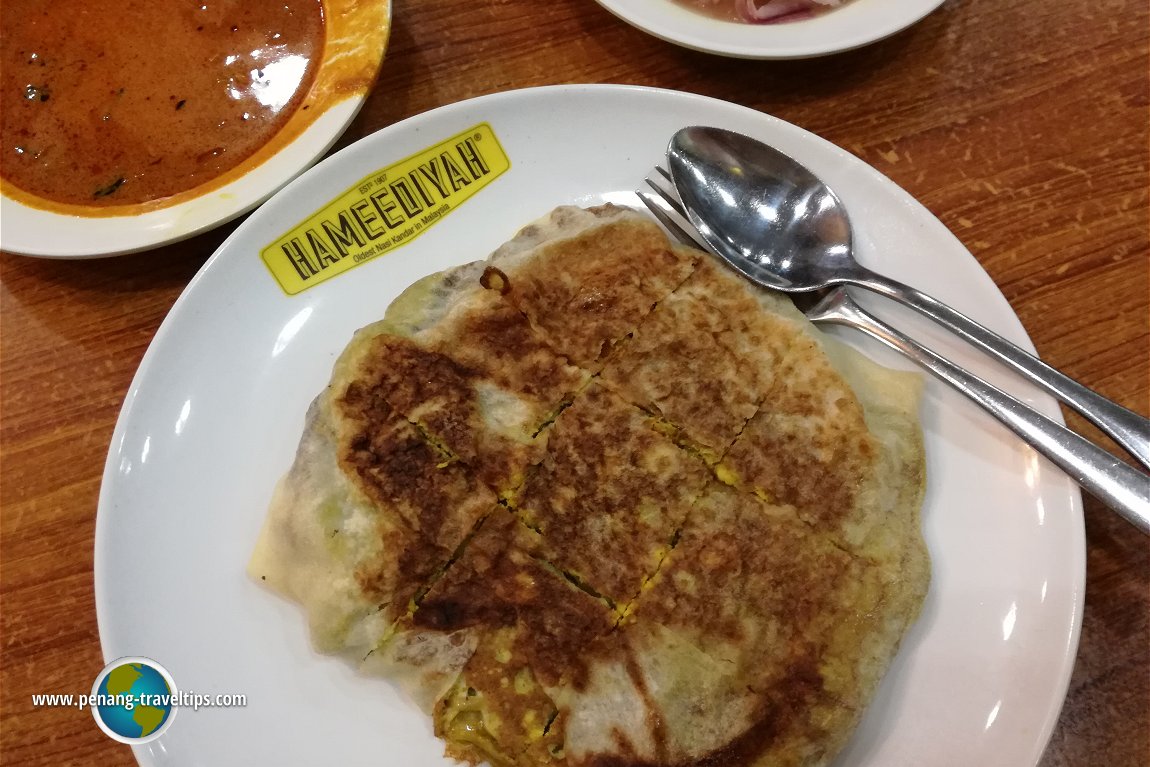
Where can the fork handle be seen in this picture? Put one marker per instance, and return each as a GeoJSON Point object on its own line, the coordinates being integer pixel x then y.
{"type": "Point", "coordinates": [1121, 487]}
{"type": "Point", "coordinates": [1124, 426]}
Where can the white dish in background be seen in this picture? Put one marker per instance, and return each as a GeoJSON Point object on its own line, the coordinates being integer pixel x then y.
{"type": "Point", "coordinates": [214, 414]}
{"type": "Point", "coordinates": [355, 40]}
{"type": "Point", "coordinates": [855, 24]}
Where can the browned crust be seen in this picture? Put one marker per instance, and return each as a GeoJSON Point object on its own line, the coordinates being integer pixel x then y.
{"type": "Point", "coordinates": [808, 446]}
{"type": "Point", "coordinates": [704, 358]}
{"type": "Point", "coordinates": [435, 502]}
{"type": "Point", "coordinates": [609, 494]}
{"type": "Point", "coordinates": [584, 304]}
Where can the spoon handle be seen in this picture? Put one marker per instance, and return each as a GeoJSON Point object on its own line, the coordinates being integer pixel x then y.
{"type": "Point", "coordinates": [1125, 427]}
{"type": "Point", "coordinates": [1121, 487]}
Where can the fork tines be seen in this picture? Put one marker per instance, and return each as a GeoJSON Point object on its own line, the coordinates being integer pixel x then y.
{"type": "Point", "coordinates": [665, 206]}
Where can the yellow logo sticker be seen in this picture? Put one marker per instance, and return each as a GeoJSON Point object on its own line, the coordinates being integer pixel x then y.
{"type": "Point", "coordinates": [386, 209]}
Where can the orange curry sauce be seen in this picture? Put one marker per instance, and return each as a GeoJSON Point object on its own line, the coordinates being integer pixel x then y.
{"type": "Point", "coordinates": [120, 102]}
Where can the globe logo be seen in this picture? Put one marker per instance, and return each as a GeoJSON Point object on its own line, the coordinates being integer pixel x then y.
{"type": "Point", "coordinates": [132, 700]}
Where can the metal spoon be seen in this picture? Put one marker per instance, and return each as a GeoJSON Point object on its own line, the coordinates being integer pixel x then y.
{"type": "Point", "coordinates": [779, 225]}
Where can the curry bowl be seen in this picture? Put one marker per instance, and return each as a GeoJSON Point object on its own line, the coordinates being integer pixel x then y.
{"type": "Point", "coordinates": [104, 158]}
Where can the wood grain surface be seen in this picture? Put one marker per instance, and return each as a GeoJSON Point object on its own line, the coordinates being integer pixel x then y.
{"type": "Point", "coordinates": [1022, 125]}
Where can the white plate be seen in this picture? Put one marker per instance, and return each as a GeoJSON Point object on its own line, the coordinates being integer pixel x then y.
{"type": "Point", "coordinates": [214, 414]}
{"type": "Point", "coordinates": [356, 37]}
{"type": "Point", "coordinates": [853, 25]}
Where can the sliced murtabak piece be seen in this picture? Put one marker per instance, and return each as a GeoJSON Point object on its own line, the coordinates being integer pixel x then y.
{"type": "Point", "coordinates": [366, 518]}
{"type": "Point", "coordinates": [496, 712]}
{"type": "Point", "coordinates": [838, 439]}
{"type": "Point", "coordinates": [437, 498]}
{"type": "Point", "coordinates": [586, 278]}
{"type": "Point", "coordinates": [472, 374]}
{"type": "Point", "coordinates": [528, 625]}
{"type": "Point", "coordinates": [526, 382]}
{"type": "Point", "coordinates": [757, 643]}
{"type": "Point", "coordinates": [609, 494]}
{"type": "Point", "coordinates": [706, 356]}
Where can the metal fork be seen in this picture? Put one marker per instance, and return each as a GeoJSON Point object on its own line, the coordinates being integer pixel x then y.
{"type": "Point", "coordinates": [1115, 483]}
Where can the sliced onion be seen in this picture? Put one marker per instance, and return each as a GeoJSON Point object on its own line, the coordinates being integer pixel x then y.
{"type": "Point", "coordinates": [758, 12]}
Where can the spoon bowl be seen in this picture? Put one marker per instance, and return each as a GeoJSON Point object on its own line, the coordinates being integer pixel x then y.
{"type": "Point", "coordinates": [773, 219]}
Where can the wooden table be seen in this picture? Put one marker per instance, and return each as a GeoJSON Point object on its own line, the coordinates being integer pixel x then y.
{"type": "Point", "coordinates": [1021, 125]}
